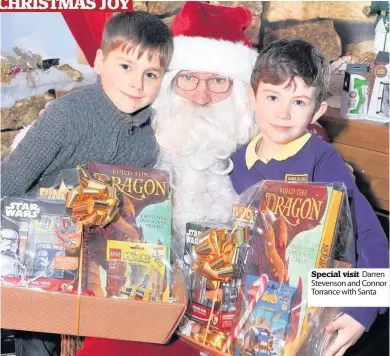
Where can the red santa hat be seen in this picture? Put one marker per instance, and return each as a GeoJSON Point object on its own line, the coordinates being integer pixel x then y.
{"type": "Point", "coordinates": [210, 38]}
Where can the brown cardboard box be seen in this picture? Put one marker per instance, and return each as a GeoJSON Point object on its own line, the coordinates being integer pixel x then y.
{"type": "Point", "coordinates": [28, 309]}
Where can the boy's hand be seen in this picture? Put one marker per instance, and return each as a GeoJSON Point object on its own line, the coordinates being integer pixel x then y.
{"type": "Point", "coordinates": [348, 332]}
{"type": "Point", "coordinates": [43, 110]}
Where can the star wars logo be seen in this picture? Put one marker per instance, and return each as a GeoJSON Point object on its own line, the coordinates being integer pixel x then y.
{"type": "Point", "coordinates": [192, 236]}
{"type": "Point", "coordinates": [22, 210]}
{"type": "Point", "coordinates": [50, 246]}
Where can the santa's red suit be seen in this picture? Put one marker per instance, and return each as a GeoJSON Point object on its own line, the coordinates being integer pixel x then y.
{"type": "Point", "coordinates": [105, 347]}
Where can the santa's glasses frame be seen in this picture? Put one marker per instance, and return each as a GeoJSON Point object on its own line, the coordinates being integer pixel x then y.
{"type": "Point", "coordinates": [217, 85]}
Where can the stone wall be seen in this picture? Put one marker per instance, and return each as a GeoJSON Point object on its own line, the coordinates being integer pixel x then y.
{"type": "Point", "coordinates": [336, 27]}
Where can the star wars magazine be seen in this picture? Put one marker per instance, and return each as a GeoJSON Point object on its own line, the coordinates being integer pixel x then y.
{"type": "Point", "coordinates": [145, 217]}
{"type": "Point", "coordinates": [40, 245]}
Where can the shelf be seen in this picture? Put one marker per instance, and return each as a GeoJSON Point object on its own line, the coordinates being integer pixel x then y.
{"type": "Point", "coordinates": [366, 134]}
{"type": "Point", "coordinates": [364, 144]}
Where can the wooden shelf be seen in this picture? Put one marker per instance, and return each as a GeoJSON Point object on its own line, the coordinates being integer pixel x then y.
{"type": "Point", "coordinates": [364, 144]}
{"type": "Point", "coordinates": [371, 135]}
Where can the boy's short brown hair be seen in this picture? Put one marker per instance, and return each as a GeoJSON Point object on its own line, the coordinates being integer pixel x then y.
{"type": "Point", "coordinates": [138, 28]}
{"type": "Point", "coordinates": [286, 59]}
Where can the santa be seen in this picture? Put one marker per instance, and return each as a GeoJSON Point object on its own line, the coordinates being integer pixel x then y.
{"type": "Point", "coordinates": [202, 117]}
{"type": "Point", "coordinates": [202, 112]}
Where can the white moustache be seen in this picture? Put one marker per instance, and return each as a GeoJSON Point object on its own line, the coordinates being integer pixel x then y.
{"type": "Point", "coordinates": [206, 135]}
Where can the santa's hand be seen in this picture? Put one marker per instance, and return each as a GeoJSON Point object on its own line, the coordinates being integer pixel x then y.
{"type": "Point", "coordinates": [348, 332]}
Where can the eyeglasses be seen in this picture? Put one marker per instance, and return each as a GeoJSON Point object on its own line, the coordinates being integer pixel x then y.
{"type": "Point", "coordinates": [216, 85]}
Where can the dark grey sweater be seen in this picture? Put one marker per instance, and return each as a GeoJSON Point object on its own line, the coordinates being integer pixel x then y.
{"type": "Point", "coordinates": [81, 127]}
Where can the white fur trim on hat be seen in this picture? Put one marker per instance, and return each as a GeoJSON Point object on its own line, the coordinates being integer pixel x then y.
{"type": "Point", "coordinates": [199, 54]}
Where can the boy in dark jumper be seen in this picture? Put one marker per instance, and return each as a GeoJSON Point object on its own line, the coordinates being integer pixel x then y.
{"type": "Point", "coordinates": [288, 88]}
{"type": "Point", "coordinates": [108, 122]}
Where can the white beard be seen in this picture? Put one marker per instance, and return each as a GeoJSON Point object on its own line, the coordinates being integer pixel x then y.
{"type": "Point", "coordinates": [196, 144]}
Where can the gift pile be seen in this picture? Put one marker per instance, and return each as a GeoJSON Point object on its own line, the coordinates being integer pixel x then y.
{"type": "Point", "coordinates": [248, 284]}
{"type": "Point", "coordinates": [101, 240]}
{"type": "Point", "coordinates": [103, 233]}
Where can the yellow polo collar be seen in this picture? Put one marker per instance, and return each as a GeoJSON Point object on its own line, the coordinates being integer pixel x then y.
{"type": "Point", "coordinates": [288, 150]}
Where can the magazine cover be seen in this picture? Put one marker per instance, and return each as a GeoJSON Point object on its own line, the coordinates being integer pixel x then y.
{"type": "Point", "coordinates": [294, 232]}
{"type": "Point", "coordinates": [145, 216]}
{"type": "Point", "coordinates": [40, 244]}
